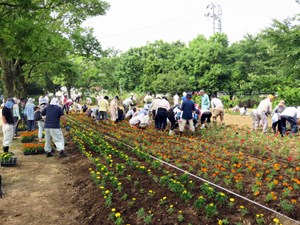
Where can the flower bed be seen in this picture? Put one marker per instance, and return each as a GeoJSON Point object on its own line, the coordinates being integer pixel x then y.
{"type": "Point", "coordinates": [201, 156]}
{"type": "Point", "coordinates": [27, 137]}
{"type": "Point", "coordinates": [33, 149]}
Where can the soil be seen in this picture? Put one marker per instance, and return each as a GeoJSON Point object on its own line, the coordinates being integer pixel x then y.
{"type": "Point", "coordinates": [42, 190]}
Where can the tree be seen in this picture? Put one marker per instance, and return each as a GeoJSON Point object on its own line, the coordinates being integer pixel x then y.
{"type": "Point", "coordinates": [33, 33]}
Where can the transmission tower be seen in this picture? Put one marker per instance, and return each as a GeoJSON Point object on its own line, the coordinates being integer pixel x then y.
{"type": "Point", "coordinates": [215, 12]}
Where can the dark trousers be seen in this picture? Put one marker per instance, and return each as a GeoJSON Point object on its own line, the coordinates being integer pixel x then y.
{"type": "Point", "coordinates": [30, 125]}
{"type": "Point", "coordinates": [277, 124]}
{"type": "Point", "coordinates": [206, 116]}
{"type": "Point", "coordinates": [161, 119]}
{"type": "Point", "coordinates": [16, 125]}
{"type": "Point", "coordinates": [292, 121]}
{"type": "Point", "coordinates": [171, 118]}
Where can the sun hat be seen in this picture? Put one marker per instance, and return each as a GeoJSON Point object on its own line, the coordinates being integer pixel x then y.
{"type": "Point", "coordinates": [281, 103]}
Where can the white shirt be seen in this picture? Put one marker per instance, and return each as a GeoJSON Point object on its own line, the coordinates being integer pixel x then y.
{"type": "Point", "coordinates": [147, 97]}
{"type": "Point", "coordinates": [216, 103]}
{"type": "Point", "coordinates": [265, 106]}
{"type": "Point", "coordinates": [163, 104]}
{"type": "Point", "coordinates": [128, 101]}
{"type": "Point", "coordinates": [291, 111]}
{"type": "Point", "coordinates": [176, 99]}
{"type": "Point", "coordinates": [129, 113]}
{"type": "Point", "coordinates": [134, 120]}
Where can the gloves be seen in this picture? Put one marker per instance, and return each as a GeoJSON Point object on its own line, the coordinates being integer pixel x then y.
{"type": "Point", "coordinates": [68, 128]}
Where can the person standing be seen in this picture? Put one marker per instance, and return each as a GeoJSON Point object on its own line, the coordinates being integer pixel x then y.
{"type": "Point", "coordinates": [113, 109]}
{"type": "Point", "coordinates": [176, 99]}
{"type": "Point", "coordinates": [17, 116]}
{"type": "Point", "coordinates": [188, 108]}
{"type": "Point", "coordinates": [263, 110]}
{"type": "Point", "coordinates": [276, 118]}
{"type": "Point", "coordinates": [205, 103]}
{"type": "Point", "coordinates": [54, 113]}
{"type": "Point", "coordinates": [292, 115]}
{"type": "Point", "coordinates": [217, 109]}
{"type": "Point", "coordinates": [103, 108]}
{"type": "Point", "coordinates": [29, 113]}
{"type": "Point", "coordinates": [7, 124]}
{"type": "Point", "coordinates": [161, 114]}
{"type": "Point", "coordinates": [41, 121]}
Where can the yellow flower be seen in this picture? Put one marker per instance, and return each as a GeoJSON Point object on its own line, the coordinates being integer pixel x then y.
{"type": "Point", "coordinates": [133, 199]}
{"type": "Point", "coordinates": [117, 214]}
{"type": "Point", "coordinates": [107, 192]}
{"type": "Point", "coordinates": [211, 204]}
{"type": "Point", "coordinates": [242, 207]}
{"type": "Point", "coordinates": [220, 222]}
{"type": "Point", "coordinates": [113, 209]}
{"type": "Point", "coordinates": [232, 199]}
{"type": "Point", "coordinates": [164, 198]}
{"type": "Point", "coordinates": [180, 211]}
{"type": "Point", "coordinates": [222, 194]}
{"type": "Point", "coordinates": [200, 197]}
{"type": "Point", "coordinates": [276, 220]}
{"type": "Point", "coordinates": [101, 187]}
{"type": "Point", "coordinates": [171, 206]}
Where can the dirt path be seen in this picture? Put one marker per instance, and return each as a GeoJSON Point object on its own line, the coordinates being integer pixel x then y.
{"type": "Point", "coordinates": [37, 191]}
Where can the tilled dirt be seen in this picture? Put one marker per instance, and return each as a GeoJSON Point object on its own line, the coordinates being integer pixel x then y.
{"type": "Point", "coordinates": [42, 190]}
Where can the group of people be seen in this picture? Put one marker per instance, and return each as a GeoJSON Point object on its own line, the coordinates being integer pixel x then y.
{"type": "Point", "coordinates": [280, 116]}
{"type": "Point", "coordinates": [45, 115]}
{"type": "Point", "coordinates": [184, 112]}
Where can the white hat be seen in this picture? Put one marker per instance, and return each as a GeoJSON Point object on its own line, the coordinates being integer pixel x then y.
{"type": "Point", "coordinates": [31, 100]}
{"type": "Point", "coordinates": [43, 101]}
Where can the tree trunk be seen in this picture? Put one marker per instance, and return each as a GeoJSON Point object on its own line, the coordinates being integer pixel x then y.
{"type": "Point", "coordinates": [69, 91]}
{"type": "Point", "coordinates": [8, 76]}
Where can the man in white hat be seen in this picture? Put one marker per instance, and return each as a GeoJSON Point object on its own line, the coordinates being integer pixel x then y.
{"type": "Point", "coordinates": [53, 114]}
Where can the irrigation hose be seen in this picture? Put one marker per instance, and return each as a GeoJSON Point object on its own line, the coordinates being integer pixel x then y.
{"type": "Point", "coordinates": [206, 181]}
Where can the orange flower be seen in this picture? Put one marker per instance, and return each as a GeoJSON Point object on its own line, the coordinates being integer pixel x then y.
{"type": "Point", "coordinates": [276, 166]}
{"type": "Point", "coordinates": [275, 181]}
{"type": "Point", "coordinates": [294, 201]}
{"type": "Point", "coordinates": [256, 193]}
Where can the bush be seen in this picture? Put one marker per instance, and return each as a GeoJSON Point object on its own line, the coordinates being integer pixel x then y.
{"type": "Point", "coordinates": [291, 96]}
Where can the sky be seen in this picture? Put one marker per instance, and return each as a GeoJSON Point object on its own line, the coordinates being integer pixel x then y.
{"type": "Point", "coordinates": [134, 23]}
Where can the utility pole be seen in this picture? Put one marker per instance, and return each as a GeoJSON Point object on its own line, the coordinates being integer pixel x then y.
{"type": "Point", "coordinates": [215, 12]}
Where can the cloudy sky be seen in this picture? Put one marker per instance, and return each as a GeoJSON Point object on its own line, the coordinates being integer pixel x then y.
{"type": "Point", "coordinates": [133, 23]}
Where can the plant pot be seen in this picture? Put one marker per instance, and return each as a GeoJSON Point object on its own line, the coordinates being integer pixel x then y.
{"type": "Point", "coordinates": [10, 163]}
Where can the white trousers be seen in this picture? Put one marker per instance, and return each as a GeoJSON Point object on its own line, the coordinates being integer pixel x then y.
{"type": "Point", "coordinates": [57, 136]}
{"type": "Point", "coordinates": [8, 134]}
{"type": "Point", "coordinates": [183, 123]}
{"type": "Point", "coordinates": [263, 119]}
{"type": "Point", "coordinates": [41, 125]}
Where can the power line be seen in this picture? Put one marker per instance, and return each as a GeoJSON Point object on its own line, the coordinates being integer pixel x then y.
{"type": "Point", "coordinates": [148, 27]}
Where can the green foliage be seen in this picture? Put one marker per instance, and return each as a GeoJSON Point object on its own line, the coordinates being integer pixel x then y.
{"type": "Point", "coordinates": [291, 96]}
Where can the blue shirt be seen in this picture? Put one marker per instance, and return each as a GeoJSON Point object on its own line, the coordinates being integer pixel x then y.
{"type": "Point", "coordinates": [205, 103]}
{"type": "Point", "coordinates": [187, 108]}
{"type": "Point", "coordinates": [53, 114]}
{"type": "Point", "coordinates": [29, 111]}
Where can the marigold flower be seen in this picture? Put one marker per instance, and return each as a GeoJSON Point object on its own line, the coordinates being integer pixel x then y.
{"type": "Point", "coordinates": [113, 209]}
{"type": "Point", "coordinates": [231, 199]}
{"type": "Point", "coordinates": [276, 220]}
{"type": "Point", "coordinates": [242, 207]}
{"type": "Point", "coordinates": [164, 198]}
{"type": "Point", "coordinates": [117, 214]}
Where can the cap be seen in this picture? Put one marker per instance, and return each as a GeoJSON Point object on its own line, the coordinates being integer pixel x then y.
{"type": "Point", "coordinates": [271, 97]}
{"type": "Point", "coordinates": [189, 95]}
